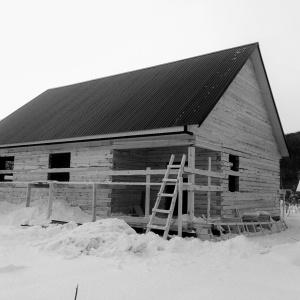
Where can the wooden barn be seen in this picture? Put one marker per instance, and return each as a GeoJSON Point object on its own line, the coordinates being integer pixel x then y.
{"type": "Point", "coordinates": [104, 145]}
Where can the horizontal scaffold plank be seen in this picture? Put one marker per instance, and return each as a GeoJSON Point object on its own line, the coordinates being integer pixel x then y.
{"type": "Point", "coordinates": [100, 171]}
{"type": "Point", "coordinates": [204, 173]}
{"type": "Point", "coordinates": [110, 185]}
{"type": "Point", "coordinates": [13, 184]}
{"type": "Point", "coordinates": [210, 188]}
{"type": "Point", "coordinates": [143, 221]}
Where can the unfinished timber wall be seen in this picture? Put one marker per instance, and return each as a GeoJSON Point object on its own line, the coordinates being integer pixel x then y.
{"type": "Point", "coordinates": [31, 164]}
{"type": "Point", "coordinates": [122, 199]}
{"type": "Point", "coordinates": [158, 159]}
{"type": "Point", "coordinates": [239, 125]}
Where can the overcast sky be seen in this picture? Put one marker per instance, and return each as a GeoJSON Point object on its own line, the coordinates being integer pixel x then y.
{"type": "Point", "coordinates": [46, 44]}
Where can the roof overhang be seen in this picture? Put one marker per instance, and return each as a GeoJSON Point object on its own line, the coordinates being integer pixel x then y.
{"type": "Point", "coordinates": [132, 134]}
{"type": "Point", "coordinates": [269, 101]}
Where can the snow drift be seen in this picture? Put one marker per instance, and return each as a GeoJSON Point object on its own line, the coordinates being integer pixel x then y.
{"type": "Point", "coordinates": [109, 260]}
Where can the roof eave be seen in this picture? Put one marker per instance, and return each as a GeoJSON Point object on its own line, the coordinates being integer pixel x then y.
{"type": "Point", "coordinates": [151, 132]}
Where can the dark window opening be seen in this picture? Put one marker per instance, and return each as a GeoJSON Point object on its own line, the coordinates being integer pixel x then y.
{"type": "Point", "coordinates": [233, 181]}
{"type": "Point", "coordinates": [57, 161]}
{"type": "Point", "coordinates": [6, 163]}
{"type": "Point", "coordinates": [59, 176]}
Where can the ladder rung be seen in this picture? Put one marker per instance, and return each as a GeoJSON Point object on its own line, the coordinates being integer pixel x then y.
{"type": "Point", "coordinates": [165, 195]}
{"type": "Point", "coordinates": [169, 180]}
{"type": "Point", "coordinates": [161, 193]}
{"type": "Point", "coordinates": [174, 166]}
{"type": "Point", "coordinates": [156, 227]}
{"type": "Point", "coordinates": [161, 210]}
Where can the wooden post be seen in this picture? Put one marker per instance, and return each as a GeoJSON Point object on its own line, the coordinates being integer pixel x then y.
{"type": "Point", "coordinates": [50, 201]}
{"type": "Point", "coordinates": [283, 204]}
{"type": "Point", "coordinates": [147, 196]}
{"type": "Point", "coordinates": [191, 180]}
{"type": "Point", "coordinates": [208, 193]}
{"type": "Point", "coordinates": [28, 195]}
{"type": "Point", "coordinates": [180, 207]}
{"type": "Point", "coordinates": [94, 204]}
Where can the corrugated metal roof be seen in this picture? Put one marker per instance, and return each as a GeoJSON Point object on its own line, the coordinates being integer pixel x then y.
{"type": "Point", "coordinates": [173, 94]}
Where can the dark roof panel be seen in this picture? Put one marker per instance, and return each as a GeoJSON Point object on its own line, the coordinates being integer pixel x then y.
{"type": "Point", "coordinates": [174, 94]}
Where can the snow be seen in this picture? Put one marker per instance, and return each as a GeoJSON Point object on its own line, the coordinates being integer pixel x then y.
{"type": "Point", "coordinates": [109, 260]}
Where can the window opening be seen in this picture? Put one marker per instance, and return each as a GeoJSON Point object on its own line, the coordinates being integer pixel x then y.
{"type": "Point", "coordinates": [57, 161]}
{"type": "Point", "coordinates": [233, 181]}
{"type": "Point", "coordinates": [7, 163]}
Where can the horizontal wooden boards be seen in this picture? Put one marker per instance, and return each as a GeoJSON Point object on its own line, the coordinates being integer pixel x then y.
{"type": "Point", "coordinates": [204, 172]}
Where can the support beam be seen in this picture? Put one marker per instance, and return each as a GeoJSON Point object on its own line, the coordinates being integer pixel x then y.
{"type": "Point", "coordinates": [94, 204]}
{"type": "Point", "coordinates": [211, 174]}
{"type": "Point", "coordinates": [147, 196]}
{"type": "Point", "coordinates": [28, 195]}
{"type": "Point", "coordinates": [191, 180]}
{"type": "Point", "coordinates": [50, 201]}
{"type": "Point", "coordinates": [283, 204]}
{"type": "Point", "coordinates": [208, 193]}
{"type": "Point", "coordinates": [180, 207]}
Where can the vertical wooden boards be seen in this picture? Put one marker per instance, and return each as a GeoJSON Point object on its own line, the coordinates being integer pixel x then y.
{"type": "Point", "coordinates": [28, 195]}
{"type": "Point", "coordinates": [50, 200]}
{"type": "Point", "coordinates": [180, 207]}
{"type": "Point", "coordinates": [94, 203]}
{"type": "Point", "coordinates": [208, 193]}
{"type": "Point", "coordinates": [201, 198]}
{"type": "Point", "coordinates": [191, 180]}
{"type": "Point", "coordinates": [147, 200]}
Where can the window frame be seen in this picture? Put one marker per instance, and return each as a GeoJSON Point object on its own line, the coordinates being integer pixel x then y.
{"type": "Point", "coordinates": [3, 167]}
{"type": "Point", "coordinates": [59, 160]}
{"type": "Point", "coordinates": [233, 181]}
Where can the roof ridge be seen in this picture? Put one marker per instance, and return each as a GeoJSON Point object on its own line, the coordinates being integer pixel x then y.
{"type": "Point", "coordinates": [155, 66]}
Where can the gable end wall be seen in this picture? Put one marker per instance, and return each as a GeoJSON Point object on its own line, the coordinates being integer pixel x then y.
{"type": "Point", "coordinates": [240, 125]}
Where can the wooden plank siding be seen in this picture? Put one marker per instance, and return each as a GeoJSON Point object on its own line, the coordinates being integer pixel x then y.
{"type": "Point", "coordinates": [158, 158]}
{"type": "Point", "coordinates": [123, 199]}
{"type": "Point", "coordinates": [29, 160]}
{"type": "Point", "coordinates": [240, 125]}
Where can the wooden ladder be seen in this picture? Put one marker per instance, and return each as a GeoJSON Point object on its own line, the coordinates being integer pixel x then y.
{"type": "Point", "coordinates": [161, 194]}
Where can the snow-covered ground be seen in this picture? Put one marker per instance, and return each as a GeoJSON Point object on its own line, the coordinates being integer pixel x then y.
{"type": "Point", "coordinates": [108, 260]}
